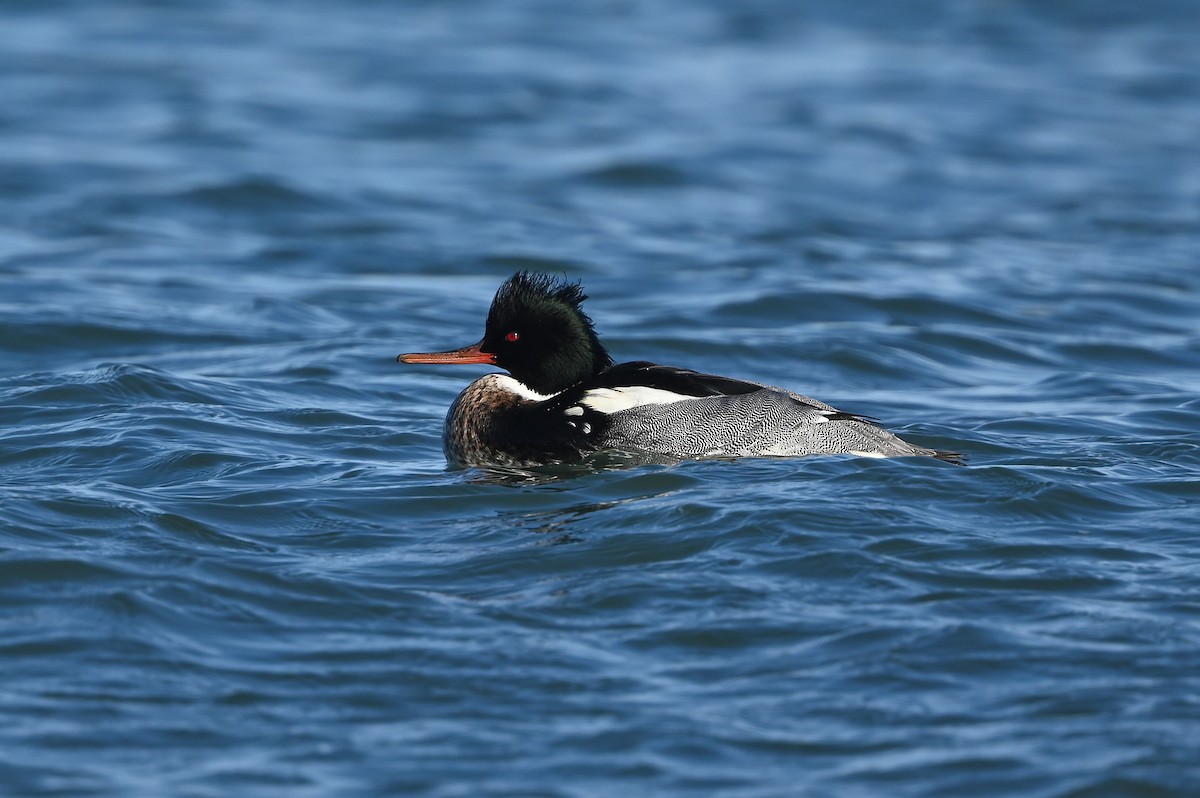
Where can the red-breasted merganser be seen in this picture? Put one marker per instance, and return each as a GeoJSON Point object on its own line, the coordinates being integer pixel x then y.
{"type": "Point", "coordinates": [566, 399]}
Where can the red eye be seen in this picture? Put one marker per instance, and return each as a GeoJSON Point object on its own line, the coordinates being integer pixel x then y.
{"type": "Point", "coordinates": [513, 336]}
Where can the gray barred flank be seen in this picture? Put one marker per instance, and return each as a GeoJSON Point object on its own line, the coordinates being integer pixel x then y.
{"type": "Point", "coordinates": [762, 423]}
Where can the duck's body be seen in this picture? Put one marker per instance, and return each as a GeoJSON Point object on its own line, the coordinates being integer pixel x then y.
{"type": "Point", "coordinates": [566, 400]}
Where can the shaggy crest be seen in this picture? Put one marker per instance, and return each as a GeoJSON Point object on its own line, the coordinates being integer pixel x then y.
{"type": "Point", "coordinates": [524, 290]}
{"type": "Point", "coordinates": [540, 334]}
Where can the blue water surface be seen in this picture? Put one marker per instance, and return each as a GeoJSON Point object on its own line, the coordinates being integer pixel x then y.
{"type": "Point", "coordinates": [233, 560]}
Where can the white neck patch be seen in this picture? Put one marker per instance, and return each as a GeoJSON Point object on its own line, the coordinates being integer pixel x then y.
{"type": "Point", "coordinates": [508, 384]}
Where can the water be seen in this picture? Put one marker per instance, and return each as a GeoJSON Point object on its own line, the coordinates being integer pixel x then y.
{"type": "Point", "coordinates": [233, 562]}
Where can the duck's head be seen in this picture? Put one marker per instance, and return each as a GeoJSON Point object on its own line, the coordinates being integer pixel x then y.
{"type": "Point", "coordinates": [537, 332]}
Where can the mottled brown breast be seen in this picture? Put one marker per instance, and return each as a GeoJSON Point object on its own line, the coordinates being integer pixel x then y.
{"type": "Point", "coordinates": [473, 433]}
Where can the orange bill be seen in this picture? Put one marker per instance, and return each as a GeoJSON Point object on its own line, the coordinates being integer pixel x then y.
{"type": "Point", "coordinates": [468, 354]}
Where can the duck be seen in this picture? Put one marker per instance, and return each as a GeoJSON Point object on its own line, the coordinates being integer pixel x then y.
{"type": "Point", "coordinates": [564, 399]}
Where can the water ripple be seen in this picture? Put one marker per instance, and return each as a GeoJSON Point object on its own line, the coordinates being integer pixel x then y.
{"type": "Point", "coordinates": [232, 557]}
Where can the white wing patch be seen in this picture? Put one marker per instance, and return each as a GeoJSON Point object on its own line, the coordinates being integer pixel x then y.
{"type": "Point", "coordinates": [612, 400]}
